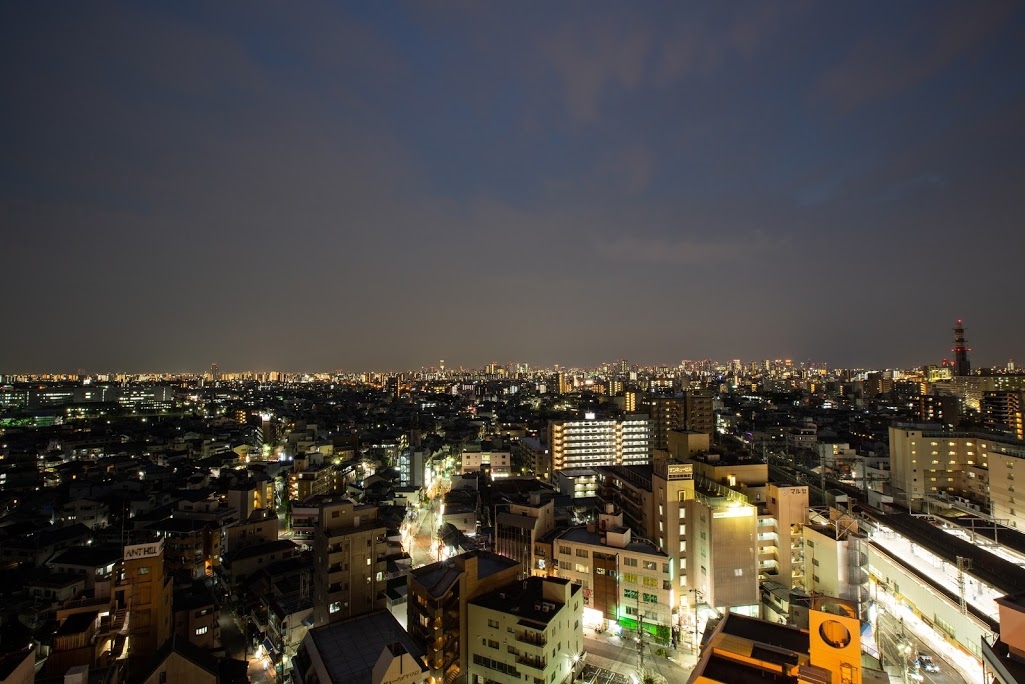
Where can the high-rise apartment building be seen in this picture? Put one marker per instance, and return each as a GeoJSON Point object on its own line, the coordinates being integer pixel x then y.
{"type": "Point", "coordinates": [666, 414]}
{"type": "Point", "coordinates": [349, 546]}
{"type": "Point", "coordinates": [699, 410]}
{"type": "Point", "coordinates": [593, 442]}
{"type": "Point", "coordinates": [939, 408]}
{"type": "Point", "coordinates": [1003, 412]}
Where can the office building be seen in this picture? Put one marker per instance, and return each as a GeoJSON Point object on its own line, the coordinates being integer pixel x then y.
{"type": "Point", "coordinates": [835, 556]}
{"type": "Point", "coordinates": [518, 526]}
{"type": "Point", "coordinates": [780, 535]}
{"type": "Point", "coordinates": [708, 529]}
{"type": "Point", "coordinates": [626, 582]}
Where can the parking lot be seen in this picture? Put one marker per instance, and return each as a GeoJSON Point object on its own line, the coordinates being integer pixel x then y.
{"type": "Point", "coordinates": [596, 675]}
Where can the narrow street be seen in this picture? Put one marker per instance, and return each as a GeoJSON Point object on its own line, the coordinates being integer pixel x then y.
{"type": "Point", "coordinates": [260, 669]}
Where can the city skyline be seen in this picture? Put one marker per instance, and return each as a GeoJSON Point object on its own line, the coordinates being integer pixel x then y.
{"type": "Point", "coordinates": [453, 369]}
{"type": "Point", "coordinates": [384, 185]}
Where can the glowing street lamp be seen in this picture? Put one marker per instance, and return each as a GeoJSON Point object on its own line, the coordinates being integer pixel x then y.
{"type": "Point", "coordinates": [576, 659]}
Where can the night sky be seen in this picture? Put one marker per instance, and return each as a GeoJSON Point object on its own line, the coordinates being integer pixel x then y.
{"type": "Point", "coordinates": [296, 186]}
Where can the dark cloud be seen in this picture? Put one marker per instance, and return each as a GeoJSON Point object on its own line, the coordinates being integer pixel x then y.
{"type": "Point", "coordinates": [336, 186]}
{"type": "Point", "coordinates": [886, 63]}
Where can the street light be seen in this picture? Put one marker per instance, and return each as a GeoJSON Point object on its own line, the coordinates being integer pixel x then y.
{"type": "Point", "coordinates": [576, 658]}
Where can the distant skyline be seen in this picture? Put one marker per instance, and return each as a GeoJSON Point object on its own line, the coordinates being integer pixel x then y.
{"type": "Point", "coordinates": [451, 367]}
{"type": "Point", "coordinates": [382, 185]}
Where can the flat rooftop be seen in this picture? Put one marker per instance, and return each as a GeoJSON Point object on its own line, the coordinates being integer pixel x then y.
{"type": "Point", "coordinates": [525, 600]}
{"type": "Point", "coordinates": [765, 632]}
{"type": "Point", "coordinates": [581, 535]}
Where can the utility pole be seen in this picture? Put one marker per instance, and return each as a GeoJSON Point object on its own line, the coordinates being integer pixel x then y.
{"type": "Point", "coordinates": [698, 595]}
{"type": "Point", "coordinates": [963, 564]}
{"type": "Point", "coordinates": [822, 473]}
{"type": "Point", "coordinates": [904, 646]}
{"type": "Point", "coordinates": [640, 641]}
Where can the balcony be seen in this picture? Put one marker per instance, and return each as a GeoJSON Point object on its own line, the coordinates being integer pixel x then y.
{"type": "Point", "coordinates": [535, 662]}
{"type": "Point", "coordinates": [87, 601]}
{"type": "Point", "coordinates": [532, 638]}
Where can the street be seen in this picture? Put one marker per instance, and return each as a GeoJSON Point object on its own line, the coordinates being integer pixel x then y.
{"type": "Point", "coordinates": [260, 670]}
{"type": "Point", "coordinates": [890, 631]}
{"type": "Point", "coordinates": [619, 655]}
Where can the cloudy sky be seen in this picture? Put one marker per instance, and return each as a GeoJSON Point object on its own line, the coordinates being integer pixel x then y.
{"type": "Point", "coordinates": [382, 185]}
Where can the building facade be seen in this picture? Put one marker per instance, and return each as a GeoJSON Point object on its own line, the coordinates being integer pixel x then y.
{"type": "Point", "coordinates": [437, 613]}
{"type": "Point", "coordinates": [526, 631]}
{"type": "Point", "coordinates": [595, 442]}
{"type": "Point", "coordinates": [977, 467]}
{"type": "Point", "coordinates": [350, 546]}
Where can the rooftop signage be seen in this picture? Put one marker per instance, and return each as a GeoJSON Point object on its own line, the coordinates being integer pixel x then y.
{"type": "Point", "coordinates": [140, 551]}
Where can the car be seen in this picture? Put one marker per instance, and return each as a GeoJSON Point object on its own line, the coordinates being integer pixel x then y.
{"type": "Point", "coordinates": [927, 663]}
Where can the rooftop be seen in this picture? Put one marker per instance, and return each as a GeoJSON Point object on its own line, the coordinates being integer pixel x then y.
{"type": "Point", "coordinates": [437, 578]}
{"type": "Point", "coordinates": [261, 549]}
{"type": "Point", "coordinates": [524, 599]}
{"type": "Point", "coordinates": [349, 649]}
{"type": "Point", "coordinates": [76, 623]}
{"type": "Point", "coordinates": [765, 632]}
{"type": "Point", "coordinates": [990, 568]}
{"type": "Point", "coordinates": [581, 535]}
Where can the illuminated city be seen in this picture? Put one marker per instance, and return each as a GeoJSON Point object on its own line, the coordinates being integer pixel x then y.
{"type": "Point", "coordinates": [494, 343]}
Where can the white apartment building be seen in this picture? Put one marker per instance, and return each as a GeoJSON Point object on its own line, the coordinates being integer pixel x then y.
{"type": "Point", "coordinates": [530, 631]}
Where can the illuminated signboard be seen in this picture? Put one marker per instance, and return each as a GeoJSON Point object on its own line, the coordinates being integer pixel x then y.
{"type": "Point", "coordinates": [735, 512]}
{"type": "Point", "coordinates": [680, 471]}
